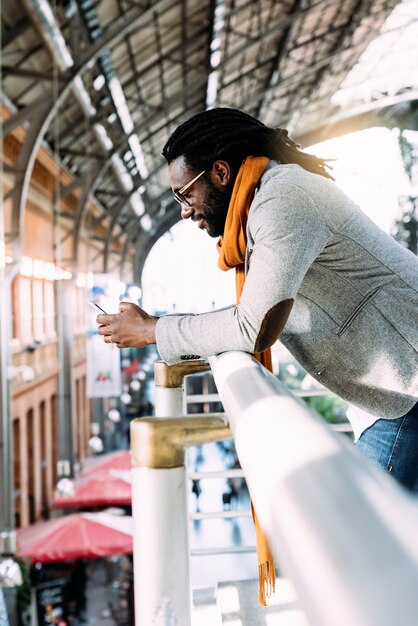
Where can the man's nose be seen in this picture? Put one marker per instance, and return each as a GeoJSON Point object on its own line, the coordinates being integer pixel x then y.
{"type": "Point", "coordinates": [186, 211]}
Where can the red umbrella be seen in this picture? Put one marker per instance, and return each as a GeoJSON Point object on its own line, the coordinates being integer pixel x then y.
{"type": "Point", "coordinates": [121, 459]}
{"type": "Point", "coordinates": [76, 536]}
{"type": "Point", "coordinates": [101, 488]}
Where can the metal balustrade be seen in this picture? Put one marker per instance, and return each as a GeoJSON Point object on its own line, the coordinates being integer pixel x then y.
{"type": "Point", "coordinates": [206, 398]}
{"type": "Point", "coordinates": [341, 529]}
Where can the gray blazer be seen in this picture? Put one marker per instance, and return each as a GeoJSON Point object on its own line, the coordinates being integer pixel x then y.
{"type": "Point", "coordinates": [353, 325]}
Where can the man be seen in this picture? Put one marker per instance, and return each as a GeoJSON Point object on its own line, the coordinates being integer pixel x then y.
{"type": "Point", "coordinates": [341, 294]}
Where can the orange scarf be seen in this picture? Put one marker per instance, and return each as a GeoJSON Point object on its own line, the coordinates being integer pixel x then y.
{"type": "Point", "coordinates": [231, 247]}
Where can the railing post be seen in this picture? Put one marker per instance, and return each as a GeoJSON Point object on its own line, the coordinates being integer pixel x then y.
{"type": "Point", "coordinates": [169, 385]}
{"type": "Point", "coordinates": [159, 509]}
{"type": "Point", "coordinates": [161, 551]}
{"type": "Point", "coordinates": [161, 547]}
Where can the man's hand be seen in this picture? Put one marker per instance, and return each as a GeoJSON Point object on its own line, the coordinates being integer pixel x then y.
{"type": "Point", "coordinates": [132, 327]}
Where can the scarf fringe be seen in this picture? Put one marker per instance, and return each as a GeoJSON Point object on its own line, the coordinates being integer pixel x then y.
{"type": "Point", "coordinates": [266, 581]}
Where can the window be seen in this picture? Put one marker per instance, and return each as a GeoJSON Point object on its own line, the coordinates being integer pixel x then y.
{"type": "Point", "coordinates": [49, 309]}
{"type": "Point", "coordinates": [38, 310]}
{"type": "Point", "coordinates": [25, 310]}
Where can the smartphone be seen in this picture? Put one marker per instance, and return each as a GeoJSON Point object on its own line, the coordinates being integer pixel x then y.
{"type": "Point", "coordinates": [96, 306]}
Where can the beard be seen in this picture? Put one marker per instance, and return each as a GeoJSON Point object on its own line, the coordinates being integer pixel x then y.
{"type": "Point", "coordinates": [216, 205]}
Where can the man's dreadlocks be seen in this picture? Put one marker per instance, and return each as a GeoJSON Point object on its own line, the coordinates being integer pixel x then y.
{"type": "Point", "coordinates": [232, 135]}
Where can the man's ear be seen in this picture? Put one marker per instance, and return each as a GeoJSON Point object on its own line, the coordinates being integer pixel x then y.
{"type": "Point", "coordinates": [221, 173]}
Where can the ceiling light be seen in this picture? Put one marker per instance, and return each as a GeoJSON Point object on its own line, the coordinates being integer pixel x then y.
{"type": "Point", "coordinates": [146, 223]}
{"type": "Point", "coordinates": [99, 82]}
{"type": "Point", "coordinates": [104, 139]}
{"type": "Point", "coordinates": [138, 153]}
{"type": "Point", "coordinates": [137, 204]}
{"type": "Point", "coordinates": [122, 173]}
{"type": "Point", "coordinates": [121, 106]}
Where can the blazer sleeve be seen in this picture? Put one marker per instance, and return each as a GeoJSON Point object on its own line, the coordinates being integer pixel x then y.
{"type": "Point", "coordinates": [286, 233]}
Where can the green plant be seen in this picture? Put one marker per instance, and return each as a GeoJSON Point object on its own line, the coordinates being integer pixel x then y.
{"type": "Point", "coordinates": [332, 409]}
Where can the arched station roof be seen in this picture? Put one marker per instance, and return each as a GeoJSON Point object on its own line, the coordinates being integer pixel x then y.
{"type": "Point", "coordinates": [102, 84]}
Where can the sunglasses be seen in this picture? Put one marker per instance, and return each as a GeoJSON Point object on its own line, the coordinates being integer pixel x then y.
{"type": "Point", "coordinates": [179, 195]}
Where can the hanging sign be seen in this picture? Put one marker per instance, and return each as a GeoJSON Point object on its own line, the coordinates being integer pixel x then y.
{"type": "Point", "coordinates": [103, 368]}
{"type": "Point", "coordinates": [104, 379]}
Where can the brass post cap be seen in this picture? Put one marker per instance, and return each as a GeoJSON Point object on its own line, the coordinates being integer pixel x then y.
{"type": "Point", "coordinates": [172, 376]}
{"type": "Point", "coordinates": [160, 442]}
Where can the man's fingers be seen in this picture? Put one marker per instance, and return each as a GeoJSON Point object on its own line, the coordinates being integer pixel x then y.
{"type": "Point", "coordinates": [126, 306]}
{"type": "Point", "coordinates": [105, 319]}
{"type": "Point", "coordinates": [108, 339]}
{"type": "Point", "coordinates": [107, 332]}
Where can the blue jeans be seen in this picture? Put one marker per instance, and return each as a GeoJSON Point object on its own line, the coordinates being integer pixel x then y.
{"type": "Point", "coordinates": [393, 444]}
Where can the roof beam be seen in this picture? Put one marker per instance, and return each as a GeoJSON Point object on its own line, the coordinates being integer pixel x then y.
{"type": "Point", "coordinates": [11, 70]}
{"type": "Point", "coordinates": [360, 11]}
{"type": "Point", "coordinates": [281, 50]}
{"type": "Point", "coordinates": [201, 80]}
{"type": "Point", "coordinates": [40, 114]}
{"type": "Point", "coordinates": [363, 116]}
{"type": "Point", "coordinates": [11, 34]}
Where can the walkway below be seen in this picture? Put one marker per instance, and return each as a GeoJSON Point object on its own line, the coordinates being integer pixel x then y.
{"type": "Point", "coordinates": [226, 585]}
{"type": "Point", "coordinates": [219, 533]}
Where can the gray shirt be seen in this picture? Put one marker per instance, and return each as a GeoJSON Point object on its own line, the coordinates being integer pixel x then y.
{"type": "Point", "coordinates": [353, 325]}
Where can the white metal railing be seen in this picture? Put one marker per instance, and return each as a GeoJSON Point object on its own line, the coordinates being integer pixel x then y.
{"type": "Point", "coordinates": [207, 398]}
{"type": "Point", "coordinates": [341, 529]}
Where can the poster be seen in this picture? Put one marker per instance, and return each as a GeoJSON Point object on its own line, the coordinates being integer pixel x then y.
{"type": "Point", "coordinates": [104, 378]}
